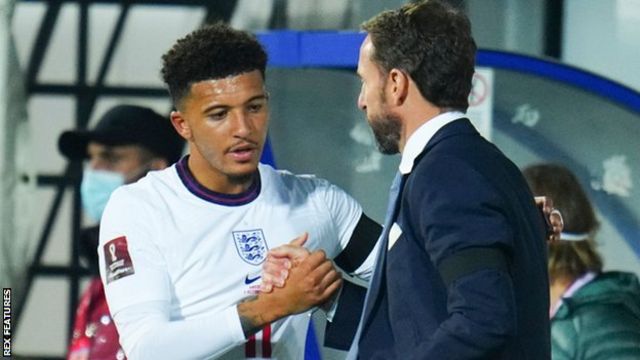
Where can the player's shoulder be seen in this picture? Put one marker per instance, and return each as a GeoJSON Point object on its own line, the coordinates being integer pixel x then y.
{"type": "Point", "coordinates": [289, 180]}
{"type": "Point", "coordinates": [303, 188]}
{"type": "Point", "coordinates": [148, 188]}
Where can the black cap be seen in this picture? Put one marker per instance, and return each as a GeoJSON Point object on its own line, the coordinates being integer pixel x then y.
{"type": "Point", "coordinates": [126, 125]}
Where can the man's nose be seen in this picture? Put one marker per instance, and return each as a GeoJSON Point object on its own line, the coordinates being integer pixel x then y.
{"type": "Point", "coordinates": [361, 104]}
{"type": "Point", "coordinates": [242, 124]}
{"type": "Point", "coordinates": [97, 163]}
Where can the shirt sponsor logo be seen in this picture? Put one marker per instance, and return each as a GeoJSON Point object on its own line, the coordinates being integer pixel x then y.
{"type": "Point", "coordinates": [252, 284]}
{"type": "Point", "coordinates": [251, 246]}
{"type": "Point", "coordinates": [249, 280]}
{"type": "Point", "coordinates": [117, 259]}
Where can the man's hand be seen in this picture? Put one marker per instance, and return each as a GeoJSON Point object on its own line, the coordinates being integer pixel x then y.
{"type": "Point", "coordinates": [311, 283]}
{"type": "Point", "coordinates": [280, 260]}
{"type": "Point", "coordinates": [552, 217]}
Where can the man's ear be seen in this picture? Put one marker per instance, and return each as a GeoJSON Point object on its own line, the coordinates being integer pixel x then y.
{"type": "Point", "coordinates": [180, 124]}
{"type": "Point", "coordinates": [397, 86]}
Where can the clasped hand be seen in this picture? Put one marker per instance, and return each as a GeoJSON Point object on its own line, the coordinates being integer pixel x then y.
{"type": "Point", "coordinates": [307, 277]}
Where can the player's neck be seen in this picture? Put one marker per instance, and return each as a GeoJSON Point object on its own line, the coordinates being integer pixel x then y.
{"type": "Point", "coordinates": [217, 181]}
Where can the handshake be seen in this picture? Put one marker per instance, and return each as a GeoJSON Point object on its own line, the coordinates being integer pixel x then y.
{"type": "Point", "coordinates": [304, 279]}
{"type": "Point", "coordinates": [295, 279]}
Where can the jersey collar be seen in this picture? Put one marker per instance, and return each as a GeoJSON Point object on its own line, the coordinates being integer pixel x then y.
{"type": "Point", "coordinates": [203, 193]}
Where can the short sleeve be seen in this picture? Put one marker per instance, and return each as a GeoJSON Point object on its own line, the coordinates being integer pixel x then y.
{"type": "Point", "coordinates": [344, 211]}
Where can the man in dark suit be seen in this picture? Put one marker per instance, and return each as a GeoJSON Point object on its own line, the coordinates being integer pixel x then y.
{"type": "Point", "coordinates": [461, 271]}
{"type": "Point", "coordinates": [461, 267]}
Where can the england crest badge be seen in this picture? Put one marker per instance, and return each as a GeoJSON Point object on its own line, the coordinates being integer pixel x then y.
{"type": "Point", "coordinates": [251, 246]}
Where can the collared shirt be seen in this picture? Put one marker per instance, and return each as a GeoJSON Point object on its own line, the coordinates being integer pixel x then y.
{"type": "Point", "coordinates": [420, 138]}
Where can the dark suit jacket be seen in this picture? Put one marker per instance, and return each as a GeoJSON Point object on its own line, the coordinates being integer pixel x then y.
{"type": "Point", "coordinates": [467, 278]}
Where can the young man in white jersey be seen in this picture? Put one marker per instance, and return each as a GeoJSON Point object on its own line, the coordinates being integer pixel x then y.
{"type": "Point", "coordinates": [181, 250]}
{"type": "Point", "coordinates": [126, 143]}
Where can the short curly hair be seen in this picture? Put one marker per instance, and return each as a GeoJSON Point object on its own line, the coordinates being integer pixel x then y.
{"type": "Point", "coordinates": [211, 52]}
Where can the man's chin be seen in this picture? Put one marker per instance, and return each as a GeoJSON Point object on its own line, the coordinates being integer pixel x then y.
{"type": "Point", "coordinates": [386, 131]}
{"type": "Point", "coordinates": [388, 151]}
{"type": "Point", "coordinates": [244, 171]}
{"type": "Point", "coordinates": [387, 143]}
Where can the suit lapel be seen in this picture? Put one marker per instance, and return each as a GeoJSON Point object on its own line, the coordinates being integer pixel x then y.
{"type": "Point", "coordinates": [379, 274]}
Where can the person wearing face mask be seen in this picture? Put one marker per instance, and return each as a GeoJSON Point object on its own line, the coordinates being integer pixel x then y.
{"type": "Point", "coordinates": [127, 142]}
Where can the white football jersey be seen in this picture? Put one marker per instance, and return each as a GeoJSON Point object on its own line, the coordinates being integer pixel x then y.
{"type": "Point", "coordinates": [168, 239]}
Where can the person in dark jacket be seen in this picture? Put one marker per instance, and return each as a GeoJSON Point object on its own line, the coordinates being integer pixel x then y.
{"type": "Point", "coordinates": [461, 267]}
{"type": "Point", "coordinates": [594, 314]}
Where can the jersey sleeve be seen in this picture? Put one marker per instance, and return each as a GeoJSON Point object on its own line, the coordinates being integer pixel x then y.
{"type": "Point", "coordinates": [138, 288]}
{"type": "Point", "coordinates": [356, 234]}
{"type": "Point", "coordinates": [130, 261]}
{"type": "Point", "coordinates": [147, 333]}
{"type": "Point", "coordinates": [343, 210]}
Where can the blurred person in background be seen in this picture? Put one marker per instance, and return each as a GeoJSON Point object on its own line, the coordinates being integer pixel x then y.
{"type": "Point", "coordinates": [127, 142]}
{"type": "Point", "coordinates": [594, 314]}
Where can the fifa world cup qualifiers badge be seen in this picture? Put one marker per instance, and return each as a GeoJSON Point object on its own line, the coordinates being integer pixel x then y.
{"type": "Point", "coordinates": [6, 322]}
{"type": "Point", "coordinates": [117, 260]}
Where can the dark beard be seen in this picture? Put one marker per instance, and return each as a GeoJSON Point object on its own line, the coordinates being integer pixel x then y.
{"type": "Point", "coordinates": [387, 133]}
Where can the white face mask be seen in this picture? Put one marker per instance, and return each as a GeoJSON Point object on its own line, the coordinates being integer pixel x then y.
{"type": "Point", "coordinates": [96, 188]}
